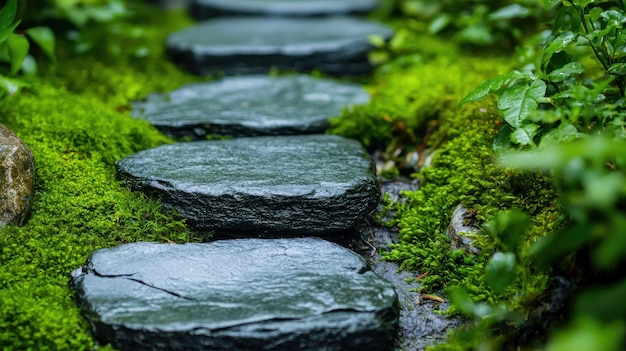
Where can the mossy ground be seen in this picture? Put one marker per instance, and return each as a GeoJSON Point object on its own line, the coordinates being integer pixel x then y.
{"type": "Point", "coordinates": [415, 106]}
{"type": "Point", "coordinates": [76, 120]}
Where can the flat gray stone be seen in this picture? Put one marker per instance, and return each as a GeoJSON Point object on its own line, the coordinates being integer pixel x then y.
{"type": "Point", "coordinates": [249, 106]}
{"type": "Point", "coordinates": [287, 185]}
{"type": "Point", "coordinates": [17, 179]}
{"type": "Point", "coordinates": [246, 45]}
{"type": "Point", "coordinates": [248, 294]}
{"type": "Point", "coordinates": [204, 9]}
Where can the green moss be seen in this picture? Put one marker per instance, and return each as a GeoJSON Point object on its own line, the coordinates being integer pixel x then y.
{"type": "Point", "coordinates": [76, 120]}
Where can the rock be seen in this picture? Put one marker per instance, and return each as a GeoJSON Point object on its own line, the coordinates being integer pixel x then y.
{"type": "Point", "coordinates": [246, 294]}
{"type": "Point", "coordinates": [240, 45]}
{"type": "Point", "coordinates": [250, 105]}
{"type": "Point", "coordinates": [17, 179]}
{"type": "Point", "coordinates": [204, 9]}
{"type": "Point", "coordinates": [287, 185]}
{"type": "Point", "coordinates": [461, 231]}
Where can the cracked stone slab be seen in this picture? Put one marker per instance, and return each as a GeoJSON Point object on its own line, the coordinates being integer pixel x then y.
{"type": "Point", "coordinates": [246, 294]}
{"type": "Point", "coordinates": [250, 105]}
{"type": "Point", "coordinates": [247, 45]}
{"type": "Point", "coordinates": [204, 9]}
{"type": "Point", "coordinates": [287, 185]}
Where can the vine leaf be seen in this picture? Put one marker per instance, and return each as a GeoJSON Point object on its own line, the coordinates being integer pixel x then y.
{"type": "Point", "coordinates": [519, 101]}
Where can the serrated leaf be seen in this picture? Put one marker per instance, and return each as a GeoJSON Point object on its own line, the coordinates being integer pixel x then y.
{"type": "Point", "coordinates": [560, 74]}
{"type": "Point", "coordinates": [500, 271]}
{"type": "Point", "coordinates": [7, 14]}
{"type": "Point", "coordinates": [492, 85]}
{"type": "Point", "coordinates": [521, 100]}
{"type": "Point", "coordinates": [44, 38]}
{"type": "Point", "coordinates": [18, 49]}
{"type": "Point", "coordinates": [509, 12]}
{"type": "Point", "coordinates": [525, 135]}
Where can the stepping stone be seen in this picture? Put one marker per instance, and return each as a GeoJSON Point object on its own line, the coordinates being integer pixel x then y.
{"type": "Point", "coordinates": [287, 185]}
{"type": "Point", "coordinates": [248, 294]}
{"type": "Point", "coordinates": [203, 9]}
{"type": "Point", "coordinates": [246, 45]}
{"type": "Point", "coordinates": [250, 105]}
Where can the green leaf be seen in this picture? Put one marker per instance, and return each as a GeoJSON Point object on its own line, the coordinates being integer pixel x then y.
{"type": "Point", "coordinates": [548, 4]}
{"type": "Point", "coordinates": [500, 271]}
{"type": "Point", "coordinates": [7, 14]}
{"type": "Point", "coordinates": [29, 66]}
{"type": "Point", "coordinates": [560, 43]}
{"type": "Point", "coordinates": [18, 49]}
{"type": "Point", "coordinates": [556, 245]}
{"type": "Point", "coordinates": [614, 19]}
{"type": "Point", "coordinates": [586, 334]}
{"type": "Point", "coordinates": [439, 23]}
{"type": "Point", "coordinates": [521, 100]}
{"type": "Point", "coordinates": [11, 86]}
{"type": "Point", "coordinates": [493, 85]}
{"type": "Point", "coordinates": [604, 303]}
{"type": "Point", "coordinates": [524, 135]}
{"type": "Point", "coordinates": [611, 249]}
{"type": "Point", "coordinates": [564, 133]}
{"type": "Point", "coordinates": [509, 12]}
{"type": "Point", "coordinates": [502, 141]}
{"type": "Point", "coordinates": [44, 38]}
{"type": "Point", "coordinates": [5, 32]}
{"type": "Point", "coordinates": [459, 298]}
{"type": "Point", "coordinates": [559, 75]}
{"type": "Point", "coordinates": [602, 191]}
{"type": "Point", "coordinates": [618, 69]}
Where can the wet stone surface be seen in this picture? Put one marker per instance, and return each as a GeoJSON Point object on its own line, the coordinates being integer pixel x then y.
{"type": "Point", "coordinates": [247, 294]}
{"type": "Point", "coordinates": [239, 45]}
{"type": "Point", "coordinates": [250, 105]}
{"type": "Point", "coordinates": [285, 185]}
{"type": "Point", "coordinates": [203, 9]}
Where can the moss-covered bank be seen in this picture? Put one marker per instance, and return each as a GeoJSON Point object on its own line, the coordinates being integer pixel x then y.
{"type": "Point", "coordinates": [76, 120]}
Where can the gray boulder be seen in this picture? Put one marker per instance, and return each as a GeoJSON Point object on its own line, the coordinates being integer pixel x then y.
{"type": "Point", "coordinates": [248, 294]}
{"type": "Point", "coordinates": [249, 106]}
{"type": "Point", "coordinates": [288, 185]}
{"type": "Point", "coordinates": [240, 45]}
{"type": "Point", "coordinates": [461, 230]}
{"type": "Point", "coordinates": [17, 179]}
{"type": "Point", "coordinates": [204, 9]}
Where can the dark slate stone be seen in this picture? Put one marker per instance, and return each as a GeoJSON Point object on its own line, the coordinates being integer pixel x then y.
{"type": "Point", "coordinates": [250, 105]}
{"type": "Point", "coordinates": [247, 294]}
{"type": "Point", "coordinates": [336, 46]}
{"type": "Point", "coordinates": [292, 185]}
{"type": "Point", "coordinates": [204, 9]}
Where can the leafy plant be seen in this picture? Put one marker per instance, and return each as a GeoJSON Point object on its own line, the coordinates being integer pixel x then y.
{"type": "Point", "coordinates": [15, 47]}
{"type": "Point", "coordinates": [558, 99]}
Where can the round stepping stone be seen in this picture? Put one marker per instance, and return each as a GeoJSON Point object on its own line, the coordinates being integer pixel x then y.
{"type": "Point", "coordinates": [203, 9]}
{"type": "Point", "coordinates": [248, 294]}
{"type": "Point", "coordinates": [287, 185]}
{"type": "Point", "coordinates": [250, 105]}
{"type": "Point", "coordinates": [335, 46]}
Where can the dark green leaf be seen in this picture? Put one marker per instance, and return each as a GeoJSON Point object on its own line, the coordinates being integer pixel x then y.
{"type": "Point", "coordinates": [606, 303]}
{"type": "Point", "coordinates": [550, 3]}
{"type": "Point", "coordinates": [612, 248]}
{"type": "Point", "coordinates": [18, 49]}
{"type": "Point", "coordinates": [560, 74]}
{"type": "Point", "coordinates": [5, 32]}
{"type": "Point", "coordinates": [556, 245]}
{"type": "Point", "coordinates": [618, 69]}
{"type": "Point", "coordinates": [44, 38]}
{"type": "Point", "coordinates": [502, 141]}
{"type": "Point", "coordinates": [500, 271]}
{"type": "Point", "coordinates": [560, 43]}
{"type": "Point", "coordinates": [520, 100]}
{"type": "Point", "coordinates": [7, 14]}
{"type": "Point", "coordinates": [565, 132]}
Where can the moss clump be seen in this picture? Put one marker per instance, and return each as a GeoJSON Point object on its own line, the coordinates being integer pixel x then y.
{"type": "Point", "coordinates": [76, 121]}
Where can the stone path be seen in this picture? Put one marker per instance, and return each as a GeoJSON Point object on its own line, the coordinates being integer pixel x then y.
{"type": "Point", "coordinates": [293, 293]}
